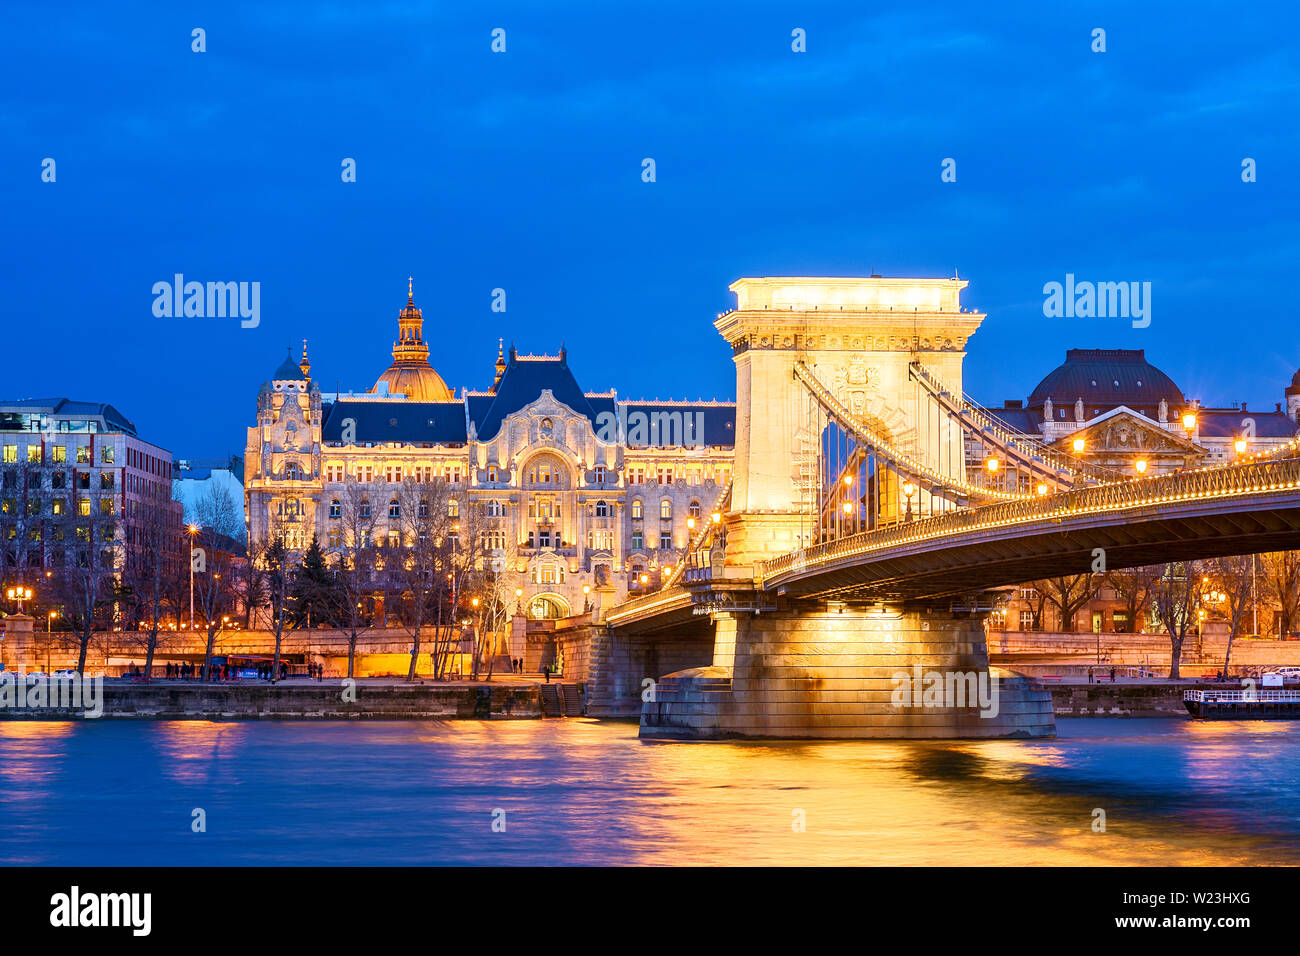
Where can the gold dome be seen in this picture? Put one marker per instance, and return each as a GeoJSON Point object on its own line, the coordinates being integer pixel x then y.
{"type": "Point", "coordinates": [411, 374]}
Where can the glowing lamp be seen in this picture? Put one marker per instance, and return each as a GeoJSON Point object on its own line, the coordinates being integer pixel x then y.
{"type": "Point", "coordinates": [1189, 420]}
{"type": "Point", "coordinates": [1042, 489]}
{"type": "Point", "coordinates": [1141, 466]}
{"type": "Point", "coordinates": [1080, 444]}
{"type": "Point", "coordinates": [848, 480]}
{"type": "Point", "coordinates": [716, 517]}
{"type": "Point", "coordinates": [848, 507]}
{"type": "Point", "coordinates": [1240, 446]}
{"type": "Point", "coordinates": [992, 465]}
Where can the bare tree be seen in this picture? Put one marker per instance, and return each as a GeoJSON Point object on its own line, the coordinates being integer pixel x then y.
{"type": "Point", "coordinates": [1177, 600]}
{"type": "Point", "coordinates": [1133, 586]}
{"type": "Point", "coordinates": [355, 563]}
{"type": "Point", "coordinates": [219, 520]}
{"type": "Point", "coordinates": [1281, 571]}
{"type": "Point", "coordinates": [424, 523]}
{"type": "Point", "coordinates": [1068, 594]}
{"type": "Point", "coordinates": [88, 582]}
{"type": "Point", "coordinates": [151, 570]}
{"type": "Point", "coordinates": [1230, 576]}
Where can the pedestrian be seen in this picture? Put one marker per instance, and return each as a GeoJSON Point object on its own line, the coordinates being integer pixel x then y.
{"type": "Point", "coordinates": [1112, 675]}
{"type": "Point", "coordinates": [547, 671]}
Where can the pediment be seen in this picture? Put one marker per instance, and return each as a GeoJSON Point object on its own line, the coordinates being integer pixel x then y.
{"type": "Point", "coordinates": [1123, 431]}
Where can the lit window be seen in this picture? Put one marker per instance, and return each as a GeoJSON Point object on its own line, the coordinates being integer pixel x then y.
{"type": "Point", "coordinates": [602, 509]}
{"type": "Point", "coordinates": [665, 509]}
{"type": "Point", "coordinates": [636, 507]}
{"type": "Point", "coordinates": [335, 508]}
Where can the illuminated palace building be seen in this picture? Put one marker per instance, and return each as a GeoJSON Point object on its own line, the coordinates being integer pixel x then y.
{"type": "Point", "coordinates": [576, 497]}
{"type": "Point", "coordinates": [1116, 411]}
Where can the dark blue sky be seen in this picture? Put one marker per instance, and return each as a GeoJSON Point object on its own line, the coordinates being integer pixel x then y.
{"type": "Point", "coordinates": [523, 171]}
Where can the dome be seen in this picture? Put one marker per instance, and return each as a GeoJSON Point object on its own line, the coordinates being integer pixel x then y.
{"type": "Point", "coordinates": [289, 371]}
{"type": "Point", "coordinates": [1295, 384]}
{"type": "Point", "coordinates": [419, 383]}
{"type": "Point", "coordinates": [411, 374]}
{"type": "Point", "coordinates": [1105, 378]}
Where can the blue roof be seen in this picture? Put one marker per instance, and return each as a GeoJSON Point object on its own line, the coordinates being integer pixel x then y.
{"type": "Point", "coordinates": [521, 384]}
{"type": "Point", "coordinates": [1230, 424]}
{"type": "Point", "coordinates": [288, 371]}
{"type": "Point", "coordinates": [719, 418]}
{"type": "Point", "coordinates": [435, 423]}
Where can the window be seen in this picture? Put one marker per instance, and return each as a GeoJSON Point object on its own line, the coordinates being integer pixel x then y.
{"type": "Point", "coordinates": [636, 508]}
{"type": "Point", "coordinates": [665, 509]}
{"type": "Point", "coordinates": [694, 509]}
{"type": "Point", "coordinates": [83, 454]}
{"type": "Point", "coordinates": [544, 539]}
{"type": "Point", "coordinates": [33, 454]}
{"type": "Point", "coordinates": [602, 509]}
{"type": "Point", "coordinates": [58, 506]}
{"type": "Point", "coordinates": [1026, 620]}
{"type": "Point", "coordinates": [60, 454]}
{"type": "Point", "coordinates": [83, 480]}
{"type": "Point", "coordinates": [492, 473]}
{"type": "Point", "coordinates": [637, 541]}
{"type": "Point", "coordinates": [334, 538]}
{"type": "Point", "coordinates": [83, 507]}
{"type": "Point", "coordinates": [600, 474]}
{"type": "Point", "coordinates": [11, 454]}
{"type": "Point", "coordinates": [453, 507]}
{"type": "Point", "coordinates": [335, 508]}
{"type": "Point", "coordinates": [365, 508]}
{"type": "Point", "coordinates": [394, 510]}
{"type": "Point", "coordinates": [106, 454]}
{"type": "Point", "coordinates": [665, 476]}
{"type": "Point", "coordinates": [106, 480]}
{"type": "Point", "coordinates": [423, 510]}
{"type": "Point", "coordinates": [666, 540]}
{"type": "Point", "coordinates": [293, 471]}
{"type": "Point", "coordinates": [394, 539]}
{"type": "Point", "coordinates": [106, 506]}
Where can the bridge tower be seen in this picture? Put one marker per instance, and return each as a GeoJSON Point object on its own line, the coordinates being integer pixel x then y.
{"type": "Point", "coordinates": [858, 337]}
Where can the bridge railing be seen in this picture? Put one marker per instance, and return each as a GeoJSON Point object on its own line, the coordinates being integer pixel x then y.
{"type": "Point", "coordinates": [1250, 478]}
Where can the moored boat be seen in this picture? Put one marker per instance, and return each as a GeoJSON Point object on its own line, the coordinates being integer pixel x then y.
{"type": "Point", "coordinates": [1243, 704]}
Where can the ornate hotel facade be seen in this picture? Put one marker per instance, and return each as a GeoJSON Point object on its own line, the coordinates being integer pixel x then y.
{"type": "Point", "coordinates": [579, 497]}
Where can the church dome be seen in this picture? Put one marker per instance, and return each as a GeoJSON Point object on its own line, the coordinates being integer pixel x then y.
{"type": "Point", "coordinates": [1105, 378]}
{"type": "Point", "coordinates": [1294, 389]}
{"type": "Point", "coordinates": [411, 374]}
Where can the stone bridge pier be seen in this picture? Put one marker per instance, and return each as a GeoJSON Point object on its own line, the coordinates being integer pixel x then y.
{"type": "Point", "coordinates": [828, 671]}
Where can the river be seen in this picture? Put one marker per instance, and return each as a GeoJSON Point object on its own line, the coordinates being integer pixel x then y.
{"type": "Point", "coordinates": [118, 792]}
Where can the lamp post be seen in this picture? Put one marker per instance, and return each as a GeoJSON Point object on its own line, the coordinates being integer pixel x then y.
{"type": "Point", "coordinates": [49, 627]}
{"type": "Point", "coordinates": [586, 598]}
{"type": "Point", "coordinates": [909, 489]}
{"type": "Point", "coordinates": [19, 594]}
{"type": "Point", "coordinates": [192, 530]}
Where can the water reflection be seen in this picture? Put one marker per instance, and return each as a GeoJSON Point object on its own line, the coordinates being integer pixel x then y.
{"type": "Point", "coordinates": [1173, 792]}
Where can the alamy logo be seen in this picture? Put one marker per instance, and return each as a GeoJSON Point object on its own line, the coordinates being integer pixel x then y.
{"type": "Point", "coordinates": [945, 689]}
{"type": "Point", "coordinates": [212, 300]}
{"type": "Point", "coordinates": [1102, 300]}
{"type": "Point", "coordinates": [19, 691]}
{"type": "Point", "coordinates": [659, 429]}
{"type": "Point", "coordinates": [74, 908]}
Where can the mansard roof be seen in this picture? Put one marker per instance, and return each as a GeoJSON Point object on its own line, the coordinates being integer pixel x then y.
{"type": "Point", "coordinates": [719, 417]}
{"type": "Point", "coordinates": [435, 423]}
{"type": "Point", "coordinates": [523, 381]}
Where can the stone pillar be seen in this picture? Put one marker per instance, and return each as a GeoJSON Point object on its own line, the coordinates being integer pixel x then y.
{"type": "Point", "coordinates": [810, 671]}
{"type": "Point", "coordinates": [18, 647]}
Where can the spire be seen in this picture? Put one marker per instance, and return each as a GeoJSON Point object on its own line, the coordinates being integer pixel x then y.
{"type": "Point", "coordinates": [501, 362]}
{"type": "Point", "coordinates": [410, 290]}
{"type": "Point", "coordinates": [304, 364]}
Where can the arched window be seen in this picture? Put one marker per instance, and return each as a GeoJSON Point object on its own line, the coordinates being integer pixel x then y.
{"type": "Point", "coordinates": [494, 509]}
{"type": "Point", "coordinates": [602, 509]}
{"type": "Point", "coordinates": [453, 507]}
{"type": "Point", "coordinates": [694, 510]}
{"type": "Point", "coordinates": [335, 508]}
{"type": "Point", "coordinates": [666, 508]}
{"type": "Point", "coordinates": [546, 471]}
{"type": "Point", "coordinates": [293, 471]}
{"type": "Point", "coordinates": [636, 507]}
{"type": "Point", "coordinates": [394, 509]}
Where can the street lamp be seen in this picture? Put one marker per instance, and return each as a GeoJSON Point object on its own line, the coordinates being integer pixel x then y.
{"type": "Point", "coordinates": [992, 465]}
{"type": "Point", "coordinates": [586, 598]}
{"type": "Point", "coordinates": [1240, 445]}
{"type": "Point", "coordinates": [19, 594]}
{"type": "Point", "coordinates": [716, 517]}
{"type": "Point", "coordinates": [1080, 444]}
{"type": "Point", "coordinates": [1189, 420]}
{"type": "Point", "coordinates": [1141, 466]}
{"type": "Point", "coordinates": [192, 530]}
{"type": "Point", "coordinates": [1042, 489]}
{"type": "Point", "coordinates": [909, 489]}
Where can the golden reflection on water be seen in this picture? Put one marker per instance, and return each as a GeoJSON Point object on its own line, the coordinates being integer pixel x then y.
{"type": "Point", "coordinates": [192, 750]}
{"type": "Point", "coordinates": [910, 803]}
{"type": "Point", "coordinates": [33, 757]}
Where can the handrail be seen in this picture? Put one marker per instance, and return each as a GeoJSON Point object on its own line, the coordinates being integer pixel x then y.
{"type": "Point", "coordinates": [1211, 696]}
{"type": "Point", "coordinates": [724, 500]}
{"type": "Point", "coordinates": [882, 445]}
{"type": "Point", "coordinates": [1201, 483]}
{"type": "Point", "coordinates": [1027, 448]}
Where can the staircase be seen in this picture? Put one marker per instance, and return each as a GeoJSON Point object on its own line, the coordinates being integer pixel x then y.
{"type": "Point", "coordinates": [561, 700]}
